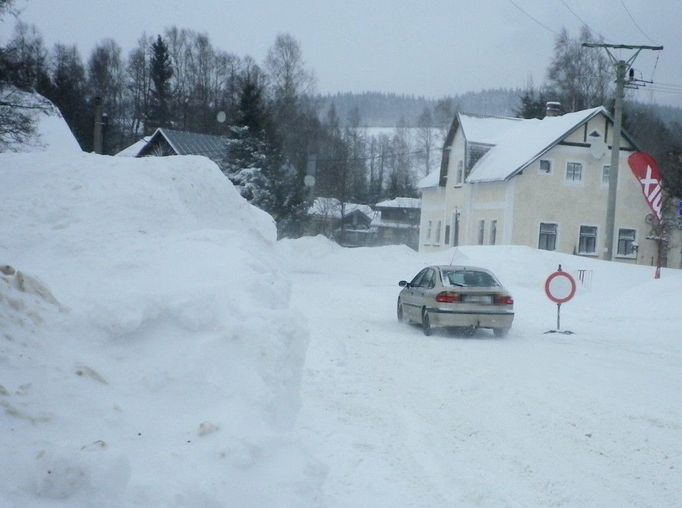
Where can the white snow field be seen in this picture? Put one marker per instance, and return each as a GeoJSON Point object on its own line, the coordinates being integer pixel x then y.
{"type": "Point", "coordinates": [158, 347]}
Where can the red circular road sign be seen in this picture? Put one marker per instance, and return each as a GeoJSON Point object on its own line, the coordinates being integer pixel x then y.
{"type": "Point", "coordinates": [560, 287]}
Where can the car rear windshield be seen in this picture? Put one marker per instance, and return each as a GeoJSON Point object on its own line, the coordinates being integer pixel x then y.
{"type": "Point", "coordinates": [468, 278]}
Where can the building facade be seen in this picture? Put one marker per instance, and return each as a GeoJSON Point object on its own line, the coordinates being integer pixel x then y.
{"type": "Point", "coordinates": [539, 183]}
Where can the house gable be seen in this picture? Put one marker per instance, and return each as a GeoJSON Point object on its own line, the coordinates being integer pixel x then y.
{"type": "Point", "coordinates": [171, 142]}
{"type": "Point", "coordinates": [158, 145]}
{"type": "Point", "coordinates": [445, 159]}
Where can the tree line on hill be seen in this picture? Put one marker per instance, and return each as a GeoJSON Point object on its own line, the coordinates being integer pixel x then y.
{"type": "Point", "coordinates": [381, 109]}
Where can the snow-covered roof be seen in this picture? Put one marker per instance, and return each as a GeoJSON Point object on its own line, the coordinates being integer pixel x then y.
{"type": "Point", "coordinates": [379, 222]}
{"type": "Point", "coordinates": [52, 134]}
{"type": "Point", "coordinates": [190, 143]}
{"type": "Point", "coordinates": [430, 180]}
{"type": "Point", "coordinates": [134, 149]}
{"type": "Point", "coordinates": [331, 207]}
{"type": "Point", "coordinates": [486, 130]}
{"type": "Point", "coordinates": [520, 143]}
{"type": "Point", "coordinates": [400, 202]}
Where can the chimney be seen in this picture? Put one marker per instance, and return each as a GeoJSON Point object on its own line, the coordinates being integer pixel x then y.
{"type": "Point", "coordinates": [553, 109]}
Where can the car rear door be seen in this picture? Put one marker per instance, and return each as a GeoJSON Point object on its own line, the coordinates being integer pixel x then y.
{"type": "Point", "coordinates": [410, 297]}
{"type": "Point", "coordinates": [422, 293]}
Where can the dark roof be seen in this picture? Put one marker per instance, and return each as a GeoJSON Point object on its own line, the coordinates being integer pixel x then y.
{"type": "Point", "coordinates": [190, 143]}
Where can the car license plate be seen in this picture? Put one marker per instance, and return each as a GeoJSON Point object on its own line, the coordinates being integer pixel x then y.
{"type": "Point", "coordinates": [485, 299]}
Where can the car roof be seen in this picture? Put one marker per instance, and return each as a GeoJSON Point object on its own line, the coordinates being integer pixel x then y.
{"type": "Point", "coordinates": [461, 267]}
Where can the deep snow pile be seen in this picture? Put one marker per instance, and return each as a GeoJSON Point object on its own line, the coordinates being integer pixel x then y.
{"type": "Point", "coordinates": [148, 352]}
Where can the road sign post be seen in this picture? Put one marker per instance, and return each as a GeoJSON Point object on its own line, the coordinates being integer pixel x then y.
{"type": "Point", "coordinates": [560, 288]}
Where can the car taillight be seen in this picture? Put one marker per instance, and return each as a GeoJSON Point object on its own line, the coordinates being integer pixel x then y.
{"type": "Point", "coordinates": [448, 297]}
{"type": "Point", "coordinates": [503, 300]}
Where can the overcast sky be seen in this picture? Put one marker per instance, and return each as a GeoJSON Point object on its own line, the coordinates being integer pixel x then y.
{"type": "Point", "coordinates": [422, 47]}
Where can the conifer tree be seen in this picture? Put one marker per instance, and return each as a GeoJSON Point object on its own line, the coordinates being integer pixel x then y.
{"type": "Point", "coordinates": [161, 73]}
{"type": "Point", "coordinates": [248, 161]}
{"type": "Point", "coordinates": [68, 92]}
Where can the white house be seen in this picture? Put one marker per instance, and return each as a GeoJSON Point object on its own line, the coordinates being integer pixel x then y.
{"type": "Point", "coordinates": [540, 183]}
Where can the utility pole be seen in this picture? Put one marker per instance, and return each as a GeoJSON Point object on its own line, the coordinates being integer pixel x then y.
{"type": "Point", "coordinates": [621, 67]}
{"type": "Point", "coordinates": [97, 128]}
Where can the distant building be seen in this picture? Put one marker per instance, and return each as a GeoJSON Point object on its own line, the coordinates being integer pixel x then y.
{"type": "Point", "coordinates": [171, 142]}
{"type": "Point", "coordinates": [397, 222]}
{"type": "Point", "coordinates": [349, 224]}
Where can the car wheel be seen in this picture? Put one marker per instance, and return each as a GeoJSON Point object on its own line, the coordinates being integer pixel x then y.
{"type": "Point", "coordinates": [401, 316]}
{"type": "Point", "coordinates": [426, 323]}
{"type": "Point", "coordinates": [500, 332]}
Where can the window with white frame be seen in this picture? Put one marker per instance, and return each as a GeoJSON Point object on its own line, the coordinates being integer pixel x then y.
{"type": "Point", "coordinates": [587, 243]}
{"type": "Point", "coordinates": [493, 232]}
{"type": "Point", "coordinates": [627, 242]}
{"type": "Point", "coordinates": [429, 225]}
{"type": "Point", "coordinates": [547, 237]}
{"type": "Point", "coordinates": [438, 228]}
{"type": "Point", "coordinates": [545, 166]}
{"type": "Point", "coordinates": [605, 175]}
{"type": "Point", "coordinates": [481, 231]}
{"type": "Point", "coordinates": [460, 173]}
{"type": "Point", "coordinates": [574, 172]}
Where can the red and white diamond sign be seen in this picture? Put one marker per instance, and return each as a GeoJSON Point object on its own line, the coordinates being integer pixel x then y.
{"type": "Point", "coordinates": [645, 169]}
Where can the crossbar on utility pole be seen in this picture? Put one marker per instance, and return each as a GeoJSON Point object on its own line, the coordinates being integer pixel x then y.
{"type": "Point", "coordinates": [622, 67]}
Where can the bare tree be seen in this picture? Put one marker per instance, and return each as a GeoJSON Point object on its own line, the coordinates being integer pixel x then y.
{"type": "Point", "coordinates": [580, 77]}
{"type": "Point", "coordinates": [5, 6]}
{"type": "Point", "coordinates": [138, 85]}
{"type": "Point", "coordinates": [425, 138]}
{"type": "Point", "coordinates": [26, 59]}
{"type": "Point", "coordinates": [400, 178]}
{"type": "Point", "coordinates": [204, 81]}
{"type": "Point", "coordinates": [17, 124]}
{"type": "Point", "coordinates": [286, 68]}
{"type": "Point", "coordinates": [68, 91]}
{"type": "Point", "coordinates": [443, 114]}
{"type": "Point", "coordinates": [106, 80]}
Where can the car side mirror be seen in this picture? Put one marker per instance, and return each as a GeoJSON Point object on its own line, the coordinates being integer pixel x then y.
{"type": "Point", "coordinates": [403, 284]}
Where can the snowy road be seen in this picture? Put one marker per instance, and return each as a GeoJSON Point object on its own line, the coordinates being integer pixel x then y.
{"type": "Point", "coordinates": [156, 342]}
{"type": "Point", "coordinates": [400, 419]}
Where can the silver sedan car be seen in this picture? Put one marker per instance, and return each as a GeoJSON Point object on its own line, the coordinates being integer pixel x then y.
{"type": "Point", "coordinates": [462, 297]}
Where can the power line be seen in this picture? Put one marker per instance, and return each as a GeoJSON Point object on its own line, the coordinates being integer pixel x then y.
{"type": "Point", "coordinates": [670, 91]}
{"type": "Point", "coordinates": [533, 18]}
{"type": "Point", "coordinates": [582, 20]}
{"type": "Point", "coordinates": [634, 22]}
{"type": "Point", "coordinates": [670, 85]}
{"type": "Point", "coordinates": [655, 66]}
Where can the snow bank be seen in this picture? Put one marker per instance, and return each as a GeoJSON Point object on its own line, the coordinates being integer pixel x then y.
{"type": "Point", "coordinates": [153, 359]}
